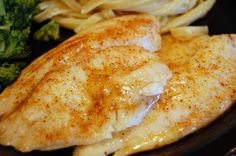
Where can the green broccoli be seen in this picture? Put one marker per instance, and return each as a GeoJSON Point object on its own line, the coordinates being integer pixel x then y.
{"type": "Point", "coordinates": [2, 8]}
{"type": "Point", "coordinates": [9, 72]}
{"type": "Point", "coordinates": [15, 22]}
{"type": "Point", "coordinates": [12, 44]}
{"type": "Point", "coordinates": [48, 32]}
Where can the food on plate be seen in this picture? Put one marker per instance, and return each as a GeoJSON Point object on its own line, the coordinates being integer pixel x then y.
{"type": "Point", "coordinates": [202, 87]}
{"type": "Point", "coordinates": [48, 32]}
{"type": "Point", "coordinates": [118, 86]}
{"type": "Point", "coordinates": [100, 81]}
{"type": "Point", "coordinates": [79, 14]}
{"type": "Point", "coordinates": [15, 22]}
{"type": "Point", "coordinates": [9, 72]}
{"type": "Point", "coordinates": [188, 32]}
{"type": "Point", "coordinates": [133, 30]}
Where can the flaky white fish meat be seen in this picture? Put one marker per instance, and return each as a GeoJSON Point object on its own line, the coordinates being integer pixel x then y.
{"type": "Point", "coordinates": [100, 81]}
{"type": "Point", "coordinates": [202, 87]}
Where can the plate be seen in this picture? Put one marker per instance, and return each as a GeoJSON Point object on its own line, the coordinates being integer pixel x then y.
{"type": "Point", "coordinates": [215, 139]}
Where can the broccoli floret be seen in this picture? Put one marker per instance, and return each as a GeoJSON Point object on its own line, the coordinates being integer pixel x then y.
{"type": "Point", "coordinates": [18, 13]}
{"type": "Point", "coordinates": [15, 20]}
{"type": "Point", "coordinates": [48, 32]}
{"type": "Point", "coordinates": [9, 72]}
{"type": "Point", "coordinates": [12, 44]}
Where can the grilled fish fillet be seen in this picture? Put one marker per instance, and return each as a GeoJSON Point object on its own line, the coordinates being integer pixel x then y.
{"type": "Point", "coordinates": [78, 94]}
{"type": "Point", "coordinates": [202, 87]}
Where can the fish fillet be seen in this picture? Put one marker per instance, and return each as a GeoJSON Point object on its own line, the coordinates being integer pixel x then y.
{"type": "Point", "coordinates": [202, 87]}
{"type": "Point", "coordinates": [86, 88]}
{"type": "Point", "coordinates": [136, 30]}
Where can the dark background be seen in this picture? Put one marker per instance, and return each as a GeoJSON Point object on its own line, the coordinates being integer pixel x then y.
{"type": "Point", "coordinates": [213, 140]}
{"type": "Point", "coordinates": [222, 17]}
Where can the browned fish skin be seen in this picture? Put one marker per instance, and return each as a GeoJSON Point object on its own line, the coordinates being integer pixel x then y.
{"type": "Point", "coordinates": [203, 86]}
{"type": "Point", "coordinates": [98, 82]}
